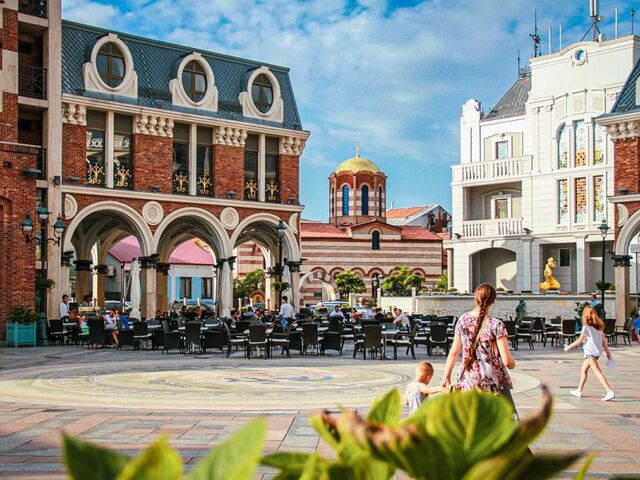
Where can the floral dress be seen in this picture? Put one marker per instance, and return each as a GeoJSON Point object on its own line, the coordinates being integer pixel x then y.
{"type": "Point", "coordinates": [487, 372]}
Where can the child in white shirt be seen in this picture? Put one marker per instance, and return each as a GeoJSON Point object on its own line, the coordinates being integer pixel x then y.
{"type": "Point", "coordinates": [418, 390]}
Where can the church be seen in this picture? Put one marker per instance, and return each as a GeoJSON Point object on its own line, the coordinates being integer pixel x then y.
{"type": "Point", "coordinates": [363, 236]}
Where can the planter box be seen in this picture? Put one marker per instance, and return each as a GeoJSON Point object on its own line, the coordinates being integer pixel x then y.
{"type": "Point", "coordinates": [19, 334]}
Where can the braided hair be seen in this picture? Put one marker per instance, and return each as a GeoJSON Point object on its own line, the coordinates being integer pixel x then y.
{"type": "Point", "coordinates": [485, 296]}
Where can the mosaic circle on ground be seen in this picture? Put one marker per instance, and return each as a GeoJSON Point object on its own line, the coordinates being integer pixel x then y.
{"type": "Point", "coordinates": [213, 386]}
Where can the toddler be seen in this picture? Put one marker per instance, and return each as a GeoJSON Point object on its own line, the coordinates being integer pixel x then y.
{"type": "Point", "coordinates": [418, 390]}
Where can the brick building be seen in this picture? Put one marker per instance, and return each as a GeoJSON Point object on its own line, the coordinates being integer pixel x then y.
{"type": "Point", "coordinates": [359, 236]}
{"type": "Point", "coordinates": [157, 140]}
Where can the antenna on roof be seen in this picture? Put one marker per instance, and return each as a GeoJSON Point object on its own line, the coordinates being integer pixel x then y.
{"type": "Point", "coordinates": [519, 62]}
{"type": "Point", "coordinates": [594, 13]}
{"type": "Point", "coordinates": [534, 36]}
{"type": "Point", "coordinates": [560, 35]}
{"type": "Point", "coordinates": [633, 13]}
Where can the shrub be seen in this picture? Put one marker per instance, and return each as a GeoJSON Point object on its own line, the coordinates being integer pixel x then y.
{"type": "Point", "coordinates": [22, 315]}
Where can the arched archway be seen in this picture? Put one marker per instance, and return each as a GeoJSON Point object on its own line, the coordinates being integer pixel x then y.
{"type": "Point", "coordinates": [317, 285]}
{"type": "Point", "coordinates": [622, 262]}
{"type": "Point", "coordinates": [496, 266]}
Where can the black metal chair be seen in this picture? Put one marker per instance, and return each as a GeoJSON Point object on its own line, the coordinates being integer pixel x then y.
{"type": "Point", "coordinates": [96, 332]}
{"type": "Point", "coordinates": [335, 325]}
{"type": "Point", "coordinates": [567, 330]}
{"type": "Point", "coordinates": [236, 340]}
{"type": "Point", "coordinates": [370, 339]}
{"type": "Point", "coordinates": [420, 337]}
{"type": "Point", "coordinates": [141, 334]}
{"type": "Point", "coordinates": [310, 337]}
{"type": "Point", "coordinates": [512, 333]}
{"type": "Point", "coordinates": [56, 332]}
{"type": "Point", "coordinates": [438, 337]}
{"type": "Point", "coordinates": [192, 337]}
{"type": "Point", "coordinates": [242, 326]}
{"type": "Point", "coordinates": [172, 340]}
{"type": "Point", "coordinates": [258, 339]}
{"type": "Point", "coordinates": [610, 330]}
{"type": "Point", "coordinates": [331, 341]}
{"type": "Point", "coordinates": [403, 339]}
{"type": "Point", "coordinates": [526, 333]}
{"type": "Point", "coordinates": [624, 331]}
{"type": "Point", "coordinates": [214, 339]}
{"type": "Point", "coordinates": [539, 330]}
{"type": "Point", "coordinates": [126, 338]}
{"type": "Point", "coordinates": [281, 339]}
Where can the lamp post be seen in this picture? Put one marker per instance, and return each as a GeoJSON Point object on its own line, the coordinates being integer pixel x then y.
{"type": "Point", "coordinates": [27, 227]}
{"type": "Point", "coordinates": [280, 228]}
{"type": "Point", "coordinates": [604, 228]}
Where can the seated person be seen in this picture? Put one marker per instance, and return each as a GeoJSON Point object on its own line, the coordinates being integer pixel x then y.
{"type": "Point", "coordinates": [123, 322]}
{"type": "Point", "coordinates": [84, 328]}
{"type": "Point", "coordinates": [111, 326]}
{"type": "Point", "coordinates": [337, 313]}
{"type": "Point", "coordinates": [401, 320]}
{"type": "Point", "coordinates": [198, 313]}
{"type": "Point", "coordinates": [355, 315]}
{"type": "Point", "coordinates": [249, 315]}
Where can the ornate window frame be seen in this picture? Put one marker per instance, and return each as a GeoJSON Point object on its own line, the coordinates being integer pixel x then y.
{"type": "Point", "coordinates": [179, 95]}
{"type": "Point", "coordinates": [92, 80]}
{"type": "Point", "coordinates": [250, 110]}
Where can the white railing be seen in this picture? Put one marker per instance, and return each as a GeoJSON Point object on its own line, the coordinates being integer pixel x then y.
{"type": "Point", "coordinates": [492, 170]}
{"type": "Point", "coordinates": [492, 228]}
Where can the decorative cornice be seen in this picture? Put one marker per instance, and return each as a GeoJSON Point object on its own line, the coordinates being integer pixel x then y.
{"type": "Point", "coordinates": [233, 137]}
{"type": "Point", "coordinates": [291, 145]}
{"type": "Point", "coordinates": [74, 114]}
{"type": "Point", "coordinates": [156, 125]}
{"type": "Point", "coordinates": [624, 130]}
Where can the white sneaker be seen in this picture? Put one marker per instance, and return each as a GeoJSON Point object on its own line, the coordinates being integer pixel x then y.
{"type": "Point", "coordinates": [610, 395]}
{"type": "Point", "coordinates": [575, 393]}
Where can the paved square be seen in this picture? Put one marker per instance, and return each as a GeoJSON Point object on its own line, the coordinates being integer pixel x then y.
{"type": "Point", "coordinates": [126, 399]}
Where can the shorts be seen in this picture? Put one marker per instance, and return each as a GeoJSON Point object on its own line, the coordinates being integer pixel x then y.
{"type": "Point", "coordinates": [595, 357]}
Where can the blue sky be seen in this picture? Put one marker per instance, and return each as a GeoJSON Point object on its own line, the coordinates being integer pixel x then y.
{"type": "Point", "coordinates": [388, 76]}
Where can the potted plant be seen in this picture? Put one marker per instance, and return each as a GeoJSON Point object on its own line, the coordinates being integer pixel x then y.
{"type": "Point", "coordinates": [21, 328]}
{"type": "Point", "coordinates": [45, 284]}
{"type": "Point", "coordinates": [281, 286]}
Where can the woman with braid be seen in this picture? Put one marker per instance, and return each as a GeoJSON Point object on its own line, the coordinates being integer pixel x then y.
{"type": "Point", "coordinates": [482, 340]}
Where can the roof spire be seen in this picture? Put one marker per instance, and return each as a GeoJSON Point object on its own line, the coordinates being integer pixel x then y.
{"type": "Point", "coordinates": [357, 150]}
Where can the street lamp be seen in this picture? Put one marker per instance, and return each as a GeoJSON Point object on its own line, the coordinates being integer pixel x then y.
{"type": "Point", "coordinates": [280, 228]}
{"type": "Point", "coordinates": [30, 235]}
{"type": "Point", "coordinates": [604, 228]}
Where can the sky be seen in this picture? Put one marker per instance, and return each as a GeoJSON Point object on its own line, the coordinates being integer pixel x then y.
{"type": "Point", "coordinates": [389, 76]}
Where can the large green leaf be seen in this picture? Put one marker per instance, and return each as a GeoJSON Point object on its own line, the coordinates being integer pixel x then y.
{"type": "Point", "coordinates": [236, 458]}
{"type": "Point", "coordinates": [386, 409]}
{"type": "Point", "coordinates": [582, 473]}
{"type": "Point", "coordinates": [326, 427]}
{"type": "Point", "coordinates": [290, 464]}
{"type": "Point", "coordinates": [86, 460]}
{"type": "Point", "coordinates": [315, 468]}
{"type": "Point", "coordinates": [157, 462]}
{"type": "Point", "coordinates": [523, 467]}
{"type": "Point", "coordinates": [469, 426]}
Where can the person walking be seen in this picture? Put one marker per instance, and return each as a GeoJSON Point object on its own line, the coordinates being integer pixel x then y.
{"type": "Point", "coordinates": [64, 308]}
{"type": "Point", "coordinates": [594, 342]}
{"type": "Point", "coordinates": [287, 314]}
{"type": "Point", "coordinates": [482, 339]}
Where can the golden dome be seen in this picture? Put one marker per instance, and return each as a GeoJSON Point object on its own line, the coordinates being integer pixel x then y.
{"type": "Point", "coordinates": [357, 164]}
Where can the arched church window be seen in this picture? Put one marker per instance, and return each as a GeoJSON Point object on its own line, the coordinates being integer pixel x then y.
{"type": "Point", "coordinates": [375, 240]}
{"type": "Point", "coordinates": [345, 200]}
{"type": "Point", "coordinates": [365, 200]}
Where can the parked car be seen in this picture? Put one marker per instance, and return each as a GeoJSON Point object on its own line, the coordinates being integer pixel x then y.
{"type": "Point", "coordinates": [117, 305]}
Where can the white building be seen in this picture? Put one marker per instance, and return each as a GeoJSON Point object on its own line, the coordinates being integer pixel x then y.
{"type": "Point", "coordinates": [535, 173]}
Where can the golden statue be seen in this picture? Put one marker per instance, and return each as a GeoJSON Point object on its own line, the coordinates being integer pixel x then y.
{"type": "Point", "coordinates": [549, 283]}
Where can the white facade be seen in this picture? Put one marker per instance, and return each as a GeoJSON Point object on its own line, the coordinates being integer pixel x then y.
{"type": "Point", "coordinates": [535, 172]}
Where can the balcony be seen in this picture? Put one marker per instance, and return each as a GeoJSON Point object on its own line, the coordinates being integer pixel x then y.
{"type": "Point", "coordinates": [501, 227]}
{"type": "Point", "coordinates": [37, 8]}
{"type": "Point", "coordinates": [492, 170]}
{"type": "Point", "coordinates": [32, 81]}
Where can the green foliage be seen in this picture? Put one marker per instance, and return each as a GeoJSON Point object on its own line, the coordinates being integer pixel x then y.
{"type": "Point", "coordinates": [22, 315]}
{"type": "Point", "coordinates": [45, 284]}
{"type": "Point", "coordinates": [463, 435]}
{"type": "Point", "coordinates": [349, 282]}
{"type": "Point", "coordinates": [401, 282]}
{"type": "Point", "coordinates": [281, 286]}
{"type": "Point", "coordinates": [443, 283]}
{"type": "Point", "coordinates": [580, 308]}
{"type": "Point", "coordinates": [252, 282]}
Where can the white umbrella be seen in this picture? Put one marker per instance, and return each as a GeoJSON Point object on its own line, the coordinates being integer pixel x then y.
{"type": "Point", "coordinates": [225, 289]}
{"type": "Point", "coordinates": [134, 292]}
{"type": "Point", "coordinates": [286, 277]}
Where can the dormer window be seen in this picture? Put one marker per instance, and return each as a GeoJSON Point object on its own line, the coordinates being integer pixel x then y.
{"type": "Point", "coordinates": [111, 64]}
{"type": "Point", "coordinates": [262, 93]}
{"type": "Point", "coordinates": [194, 81]}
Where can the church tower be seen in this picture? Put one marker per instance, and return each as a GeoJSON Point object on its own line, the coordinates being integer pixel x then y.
{"type": "Point", "coordinates": [357, 192]}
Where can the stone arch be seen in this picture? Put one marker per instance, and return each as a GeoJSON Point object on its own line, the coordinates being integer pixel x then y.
{"type": "Point", "coordinates": [320, 275]}
{"type": "Point", "coordinates": [124, 212]}
{"type": "Point", "coordinates": [419, 271]}
{"type": "Point", "coordinates": [629, 230]}
{"type": "Point", "coordinates": [359, 271]}
{"type": "Point", "coordinates": [375, 270]}
{"type": "Point", "coordinates": [291, 250]}
{"type": "Point", "coordinates": [495, 265]}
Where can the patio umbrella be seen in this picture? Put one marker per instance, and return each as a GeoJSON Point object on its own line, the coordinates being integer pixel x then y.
{"type": "Point", "coordinates": [134, 290]}
{"type": "Point", "coordinates": [286, 277]}
{"type": "Point", "coordinates": [225, 290]}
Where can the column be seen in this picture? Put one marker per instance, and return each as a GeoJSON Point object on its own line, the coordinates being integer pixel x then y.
{"type": "Point", "coordinates": [193, 158]}
{"type": "Point", "coordinates": [623, 302]}
{"type": "Point", "coordinates": [108, 175]}
{"type": "Point", "coordinates": [172, 288]}
{"type": "Point", "coordinates": [101, 271]}
{"type": "Point", "coordinates": [262, 166]}
{"type": "Point", "coordinates": [83, 270]}
{"type": "Point", "coordinates": [526, 263]}
{"type": "Point", "coordinates": [296, 294]}
{"type": "Point", "coordinates": [162, 276]}
{"type": "Point", "coordinates": [65, 284]}
{"type": "Point", "coordinates": [537, 266]}
{"type": "Point", "coordinates": [148, 302]}
{"type": "Point", "coordinates": [582, 259]}
{"type": "Point", "coordinates": [449, 268]}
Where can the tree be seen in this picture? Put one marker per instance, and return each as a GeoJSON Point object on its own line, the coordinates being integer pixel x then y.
{"type": "Point", "coordinates": [401, 282]}
{"type": "Point", "coordinates": [442, 284]}
{"type": "Point", "coordinates": [349, 282]}
{"type": "Point", "coordinates": [252, 282]}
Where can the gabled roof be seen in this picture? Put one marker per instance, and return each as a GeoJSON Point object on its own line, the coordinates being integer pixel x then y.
{"type": "Point", "coordinates": [321, 230]}
{"type": "Point", "coordinates": [328, 230]}
{"type": "Point", "coordinates": [187, 253]}
{"type": "Point", "coordinates": [512, 104]}
{"type": "Point", "coordinates": [626, 101]}
{"type": "Point", "coordinates": [418, 233]}
{"type": "Point", "coordinates": [156, 64]}
{"type": "Point", "coordinates": [395, 213]}
{"type": "Point", "coordinates": [375, 223]}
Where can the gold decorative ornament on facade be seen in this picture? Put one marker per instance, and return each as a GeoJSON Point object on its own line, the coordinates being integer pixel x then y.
{"type": "Point", "coordinates": [272, 191]}
{"type": "Point", "coordinates": [204, 185]}
{"type": "Point", "coordinates": [123, 175]}
{"type": "Point", "coordinates": [251, 189]}
{"type": "Point", "coordinates": [180, 182]}
{"type": "Point", "coordinates": [550, 283]}
{"type": "Point", "coordinates": [95, 174]}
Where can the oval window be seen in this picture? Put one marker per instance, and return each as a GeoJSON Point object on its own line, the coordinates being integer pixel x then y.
{"type": "Point", "coordinates": [110, 64]}
{"type": "Point", "coordinates": [194, 81]}
{"type": "Point", "coordinates": [262, 93]}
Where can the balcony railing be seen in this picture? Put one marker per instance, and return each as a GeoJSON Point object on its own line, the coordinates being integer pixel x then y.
{"type": "Point", "coordinates": [498, 227]}
{"type": "Point", "coordinates": [492, 170]}
{"type": "Point", "coordinates": [250, 188]}
{"type": "Point", "coordinates": [32, 81]}
{"type": "Point", "coordinates": [181, 181]}
{"type": "Point", "coordinates": [204, 185]}
{"type": "Point", "coordinates": [37, 8]}
{"type": "Point", "coordinates": [122, 177]}
{"type": "Point", "coordinates": [272, 190]}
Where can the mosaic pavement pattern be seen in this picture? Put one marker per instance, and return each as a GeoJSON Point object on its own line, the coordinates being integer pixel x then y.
{"type": "Point", "coordinates": [126, 399]}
